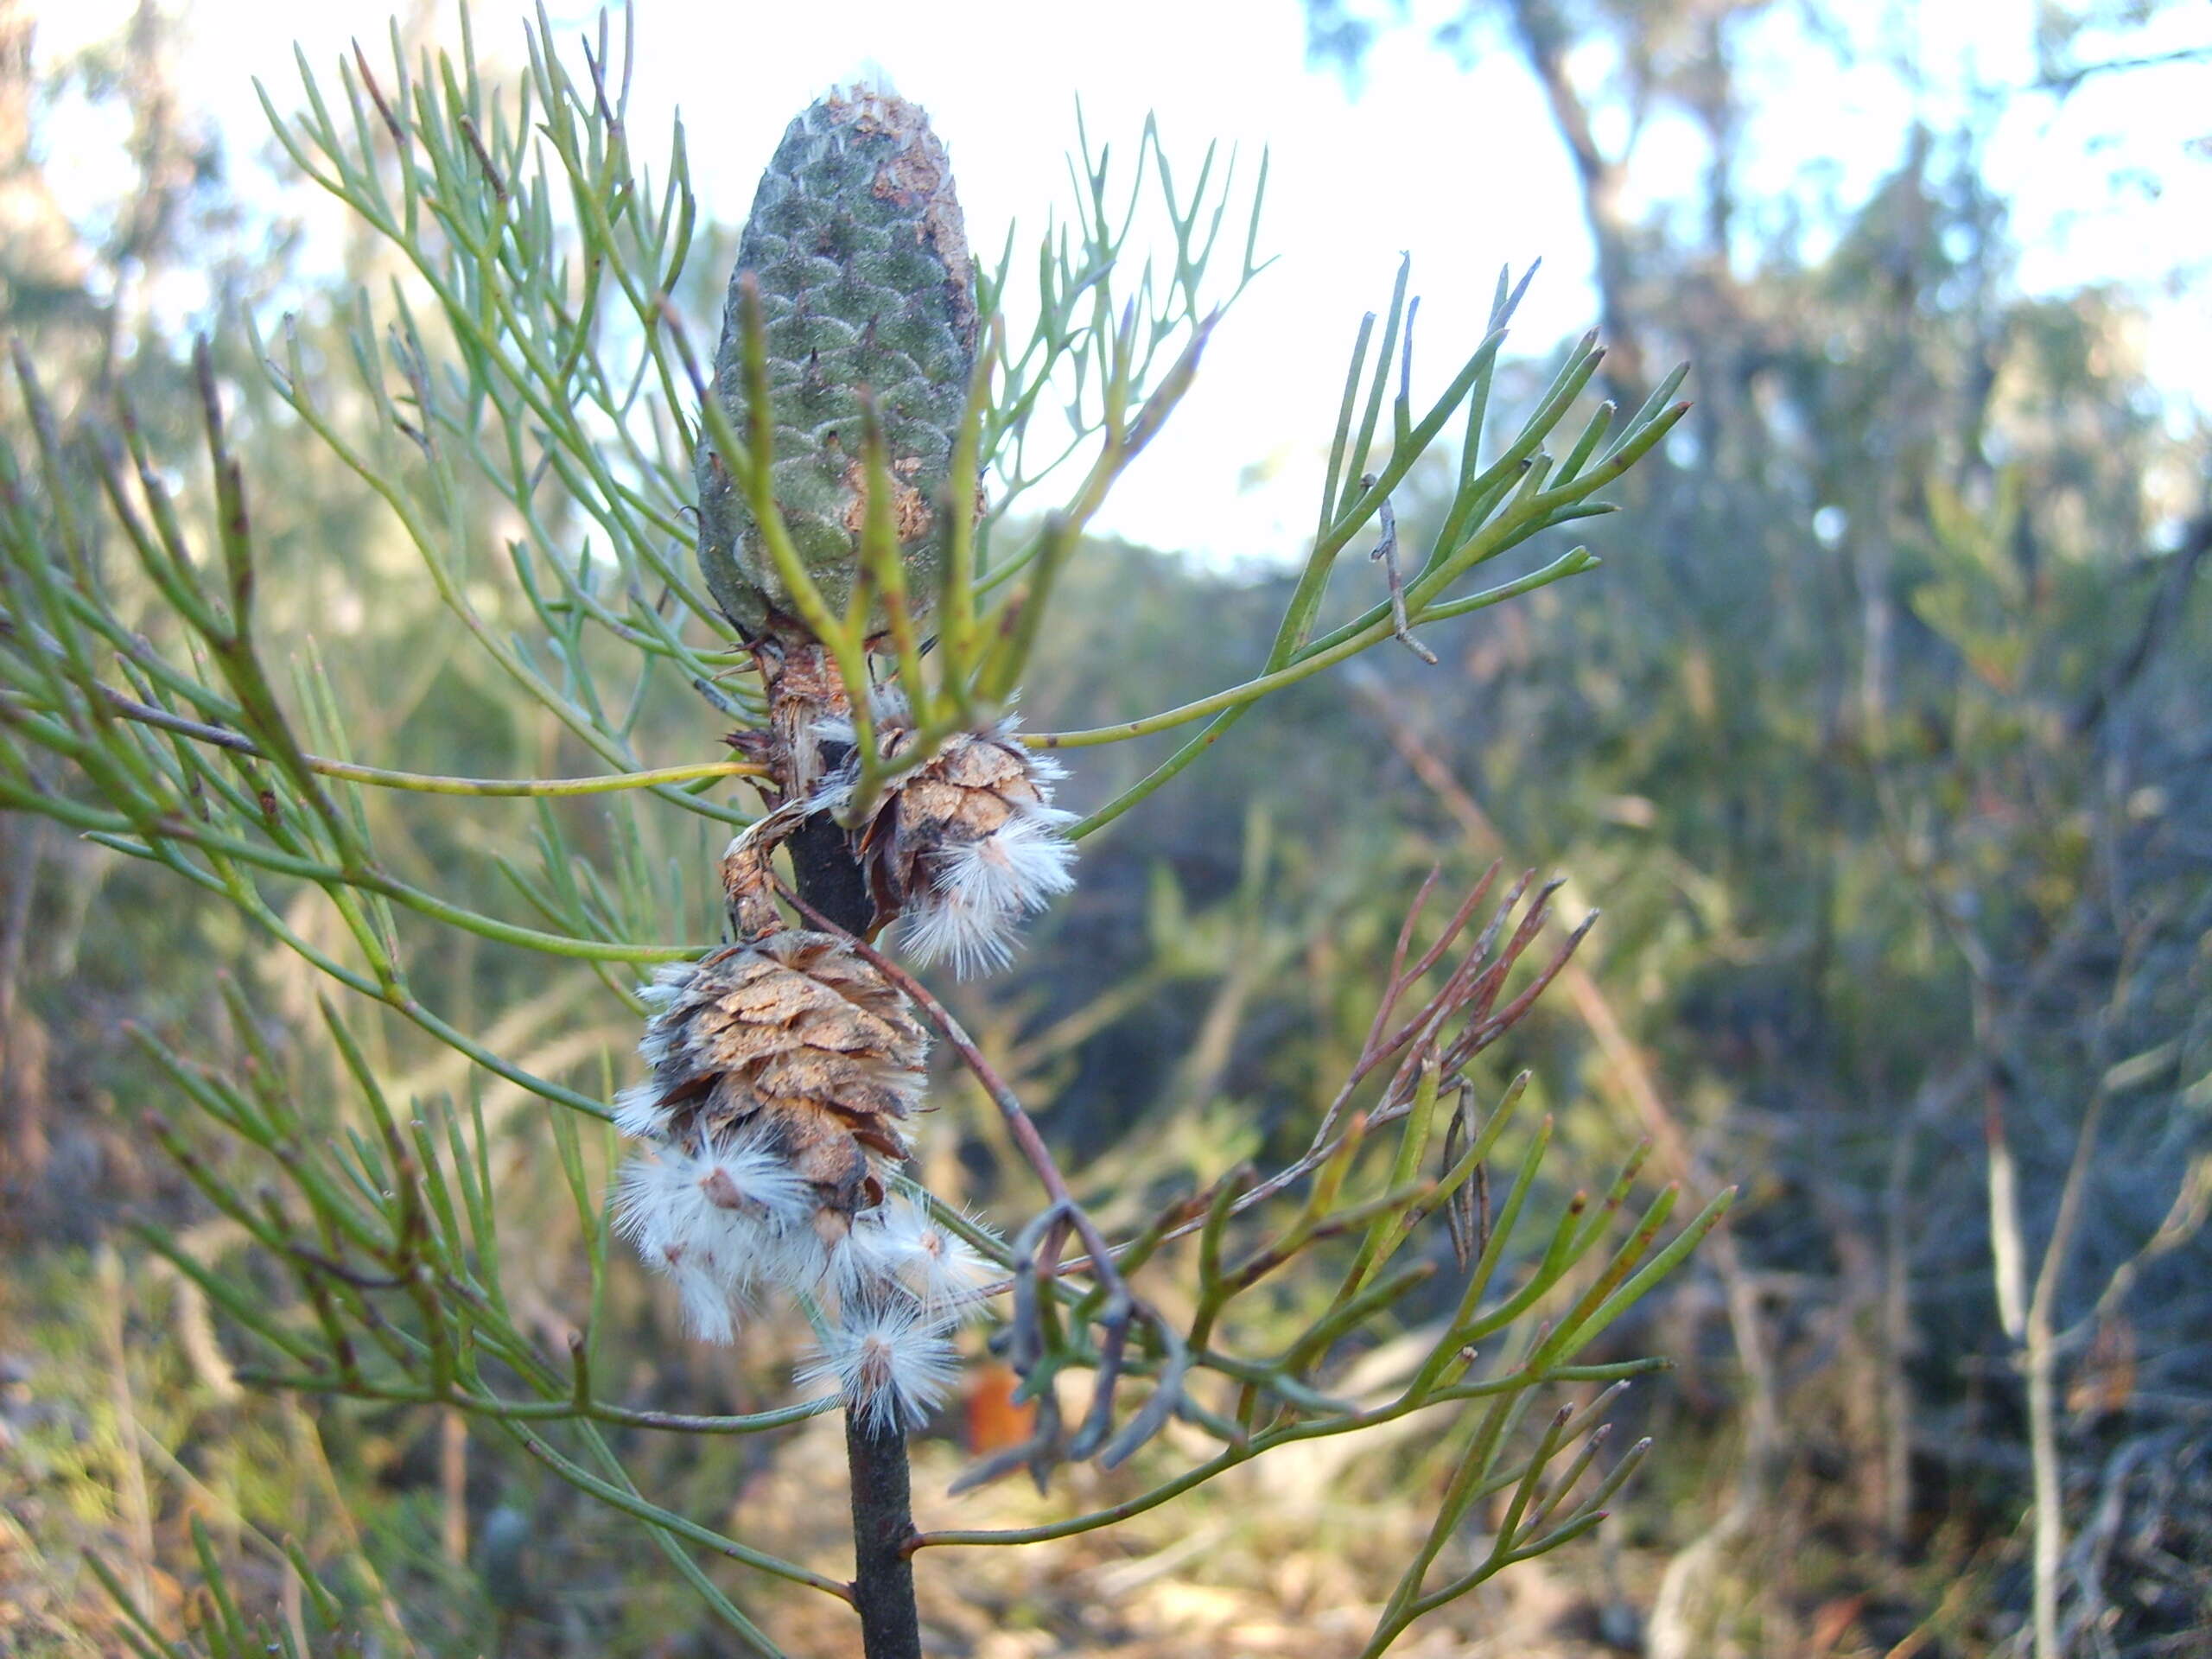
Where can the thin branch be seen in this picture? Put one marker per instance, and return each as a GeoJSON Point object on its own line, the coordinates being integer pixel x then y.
{"type": "Point", "coordinates": [428, 783]}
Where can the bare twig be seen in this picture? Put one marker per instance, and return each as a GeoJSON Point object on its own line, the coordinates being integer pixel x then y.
{"type": "Point", "coordinates": [1470, 991]}
{"type": "Point", "coordinates": [1386, 554]}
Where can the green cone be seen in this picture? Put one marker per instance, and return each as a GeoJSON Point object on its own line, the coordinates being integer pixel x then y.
{"type": "Point", "coordinates": [857, 243]}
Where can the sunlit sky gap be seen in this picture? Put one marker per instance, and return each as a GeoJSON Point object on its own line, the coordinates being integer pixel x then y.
{"type": "Point", "coordinates": [1459, 167]}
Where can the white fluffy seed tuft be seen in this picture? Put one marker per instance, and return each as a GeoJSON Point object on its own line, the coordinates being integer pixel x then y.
{"type": "Point", "coordinates": [709, 1300]}
{"type": "Point", "coordinates": [902, 1245]}
{"type": "Point", "coordinates": [670, 981]}
{"type": "Point", "coordinates": [716, 1222]}
{"type": "Point", "coordinates": [641, 1111]}
{"type": "Point", "coordinates": [891, 1362]}
{"type": "Point", "coordinates": [985, 887]}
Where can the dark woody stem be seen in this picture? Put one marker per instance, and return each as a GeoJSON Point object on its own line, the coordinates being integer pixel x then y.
{"type": "Point", "coordinates": [883, 1531]}
{"type": "Point", "coordinates": [875, 1456]}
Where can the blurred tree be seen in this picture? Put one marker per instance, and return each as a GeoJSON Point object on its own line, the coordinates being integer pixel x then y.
{"type": "Point", "coordinates": [1895, 745]}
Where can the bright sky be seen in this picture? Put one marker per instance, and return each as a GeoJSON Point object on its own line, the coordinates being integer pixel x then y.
{"type": "Point", "coordinates": [1459, 167]}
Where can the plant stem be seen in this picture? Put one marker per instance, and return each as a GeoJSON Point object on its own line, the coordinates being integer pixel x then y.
{"type": "Point", "coordinates": [883, 1522]}
{"type": "Point", "coordinates": [830, 885]}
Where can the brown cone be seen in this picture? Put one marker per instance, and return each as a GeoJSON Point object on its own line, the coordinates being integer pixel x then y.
{"type": "Point", "coordinates": [796, 1039]}
{"type": "Point", "coordinates": [963, 793]}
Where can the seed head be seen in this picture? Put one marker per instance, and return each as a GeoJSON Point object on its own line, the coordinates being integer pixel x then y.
{"type": "Point", "coordinates": [902, 1247]}
{"type": "Point", "coordinates": [965, 846]}
{"type": "Point", "coordinates": [892, 1362]}
{"type": "Point", "coordinates": [793, 1047]}
{"type": "Point", "coordinates": [782, 1072]}
{"type": "Point", "coordinates": [716, 1221]}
